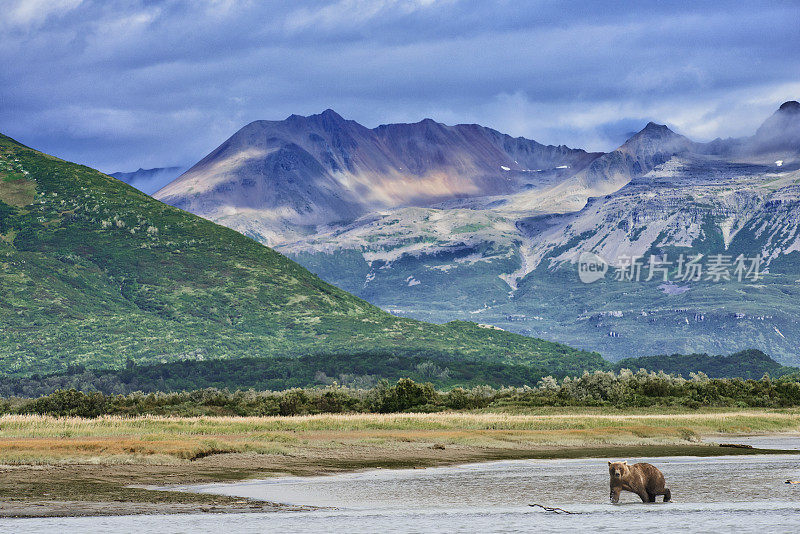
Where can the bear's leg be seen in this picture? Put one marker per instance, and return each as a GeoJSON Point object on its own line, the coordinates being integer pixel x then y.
{"type": "Point", "coordinates": [643, 495]}
{"type": "Point", "coordinates": [651, 497]}
{"type": "Point", "coordinates": [615, 494]}
{"type": "Point", "coordinates": [667, 495]}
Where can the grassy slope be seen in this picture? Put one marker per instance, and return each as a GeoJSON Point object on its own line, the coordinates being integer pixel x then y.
{"type": "Point", "coordinates": [93, 272]}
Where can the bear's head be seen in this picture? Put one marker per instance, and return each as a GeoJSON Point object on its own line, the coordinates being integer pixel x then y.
{"type": "Point", "coordinates": [618, 470]}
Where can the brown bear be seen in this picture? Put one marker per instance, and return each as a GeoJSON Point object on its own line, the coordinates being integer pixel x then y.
{"type": "Point", "coordinates": [644, 480]}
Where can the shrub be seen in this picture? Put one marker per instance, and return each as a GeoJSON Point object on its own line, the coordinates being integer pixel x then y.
{"type": "Point", "coordinates": [294, 402]}
{"type": "Point", "coordinates": [69, 403]}
{"type": "Point", "coordinates": [405, 395]}
{"type": "Point", "coordinates": [623, 389]}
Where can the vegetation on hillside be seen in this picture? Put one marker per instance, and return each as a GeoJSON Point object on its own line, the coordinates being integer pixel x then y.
{"type": "Point", "coordinates": [94, 273]}
{"type": "Point", "coordinates": [361, 370]}
{"type": "Point", "coordinates": [744, 364]}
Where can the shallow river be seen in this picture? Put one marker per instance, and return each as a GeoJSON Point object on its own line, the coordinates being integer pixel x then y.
{"type": "Point", "coordinates": [720, 494]}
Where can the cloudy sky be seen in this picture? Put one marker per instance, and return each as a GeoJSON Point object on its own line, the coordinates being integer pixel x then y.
{"type": "Point", "coordinates": [122, 85]}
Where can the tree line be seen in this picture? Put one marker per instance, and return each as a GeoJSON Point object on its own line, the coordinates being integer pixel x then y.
{"type": "Point", "coordinates": [623, 389]}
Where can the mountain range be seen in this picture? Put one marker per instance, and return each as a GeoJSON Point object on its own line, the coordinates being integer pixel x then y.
{"type": "Point", "coordinates": [281, 180]}
{"type": "Point", "coordinates": [442, 222]}
{"type": "Point", "coordinates": [149, 180]}
{"type": "Point", "coordinates": [96, 274]}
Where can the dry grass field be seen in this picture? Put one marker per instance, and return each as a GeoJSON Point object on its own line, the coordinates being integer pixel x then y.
{"type": "Point", "coordinates": [153, 439]}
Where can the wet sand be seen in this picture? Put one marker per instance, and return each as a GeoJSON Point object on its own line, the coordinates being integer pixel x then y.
{"type": "Point", "coordinates": [106, 490]}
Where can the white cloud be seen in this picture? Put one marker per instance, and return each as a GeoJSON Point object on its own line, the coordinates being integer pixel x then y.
{"type": "Point", "coordinates": [348, 13]}
{"type": "Point", "coordinates": [28, 13]}
{"type": "Point", "coordinates": [143, 83]}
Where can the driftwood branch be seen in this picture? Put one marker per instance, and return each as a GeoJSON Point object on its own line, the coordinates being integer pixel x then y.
{"type": "Point", "coordinates": [554, 510]}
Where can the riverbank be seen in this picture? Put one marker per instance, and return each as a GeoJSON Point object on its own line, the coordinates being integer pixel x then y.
{"type": "Point", "coordinates": [72, 466]}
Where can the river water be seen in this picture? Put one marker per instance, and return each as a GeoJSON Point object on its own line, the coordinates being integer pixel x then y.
{"type": "Point", "coordinates": [719, 494]}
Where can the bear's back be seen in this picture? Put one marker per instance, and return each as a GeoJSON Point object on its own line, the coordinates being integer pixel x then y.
{"type": "Point", "coordinates": [648, 470]}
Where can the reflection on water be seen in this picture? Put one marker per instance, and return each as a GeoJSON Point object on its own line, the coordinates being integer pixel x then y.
{"type": "Point", "coordinates": [742, 494]}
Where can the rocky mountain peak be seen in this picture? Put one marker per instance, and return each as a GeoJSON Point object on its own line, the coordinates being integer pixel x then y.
{"type": "Point", "coordinates": [331, 115]}
{"type": "Point", "coordinates": [327, 116]}
{"type": "Point", "coordinates": [654, 126]}
{"type": "Point", "coordinates": [792, 106]}
{"type": "Point", "coordinates": [654, 131]}
{"type": "Point", "coordinates": [653, 145]}
{"type": "Point", "coordinates": [780, 132]}
{"type": "Point", "coordinates": [656, 139]}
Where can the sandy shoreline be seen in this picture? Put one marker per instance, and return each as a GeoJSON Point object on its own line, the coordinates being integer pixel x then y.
{"type": "Point", "coordinates": [107, 490]}
{"type": "Point", "coordinates": [115, 508]}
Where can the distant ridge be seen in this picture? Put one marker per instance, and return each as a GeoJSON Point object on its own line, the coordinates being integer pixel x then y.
{"type": "Point", "coordinates": [279, 180]}
{"type": "Point", "coordinates": [149, 180]}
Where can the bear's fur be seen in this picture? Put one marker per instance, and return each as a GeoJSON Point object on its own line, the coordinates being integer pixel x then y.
{"type": "Point", "coordinates": [644, 480]}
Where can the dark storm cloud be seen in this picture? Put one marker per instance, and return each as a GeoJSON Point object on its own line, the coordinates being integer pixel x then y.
{"type": "Point", "coordinates": [123, 85]}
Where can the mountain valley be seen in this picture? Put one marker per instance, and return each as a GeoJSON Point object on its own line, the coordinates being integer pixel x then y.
{"type": "Point", "coordinates": [96, 274]}
{"type": "Point", "coordinates": [443, 222]}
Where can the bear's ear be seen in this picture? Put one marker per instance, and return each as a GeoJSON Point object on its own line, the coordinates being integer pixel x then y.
{"type": "Point", "coordinates": [609, 463]}
{"type": "Point", "coordinates": [625, 462]}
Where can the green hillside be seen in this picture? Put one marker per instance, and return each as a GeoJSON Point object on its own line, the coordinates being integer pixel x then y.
{"type": "Point", "coordinates": [95, 273]}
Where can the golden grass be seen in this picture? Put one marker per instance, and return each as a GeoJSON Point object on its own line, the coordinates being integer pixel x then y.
{"type": "Point", "coordinates": [43, 439]}
{"type": "Point", "coordinates": [731, 421]}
